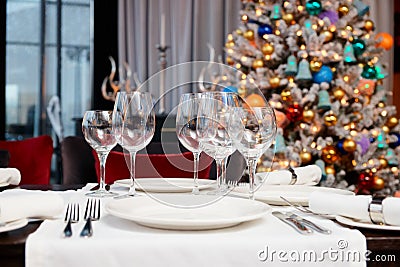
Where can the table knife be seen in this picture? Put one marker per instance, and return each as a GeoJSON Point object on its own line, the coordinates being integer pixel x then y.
{"type": "Point", "coordinates": [295, 224]}
{"type": "Point", "coordinates": [310, 224]}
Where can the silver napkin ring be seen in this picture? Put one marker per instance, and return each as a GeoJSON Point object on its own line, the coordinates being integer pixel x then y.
{"type": "Point", "coordinates": [294, 176]}
{"type": "Point", "coordinates": [375, 210]}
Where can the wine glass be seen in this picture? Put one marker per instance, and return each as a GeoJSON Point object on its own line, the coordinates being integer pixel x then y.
{"type": "Point", "coordinates": [253, 130]}
{"type": "Point", "coordinates": [212, 128]}
{"type": "Point", "coordinates": [97, 130]}
{"type": "Point", "coordinates": [186, 120]}
{"type": "Point", "coordinates": [138, 128]}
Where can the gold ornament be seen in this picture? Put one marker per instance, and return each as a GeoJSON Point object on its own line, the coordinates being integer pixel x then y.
{"type": "Point", "coordinates": [239, 32]}
{"type": "Point", "coordinates": [349, 145]}
{"type": "Point", "coordinates": [258, 63]}
{"type": "Point", "coordinates": [330, 119]}
{"type": "Point", "coordinates": [392, 122]}
{"type": "Point", "coordinates": [381, 105]}
{"type": "Point", "coordinates": [328, 35]}
{"type": "Point", "coordinates": [288, 18]}
{"type": "Point", "coordinates": [315, 65]}
{"type": "Point", "coordinates": [308, 115]}
{"type": "Point", "coordinates": [305, 157]}
{"type": "Point", "coordinates": [230, 61]}
{"type": "Point", "coordinates": [267, 49]}
{"type": "Point", "coordinates": [343, 10]}
{"type": "Point", "coordinates": [230, 44]}
{"type": "Point", "coordinates": [383, 162]}
{"type": "Point", "coordinates": [274, 81]}
{"type": "Point", "coordinates": [379, 183]}
{"type": "Point", "coordinates": [385, 129]}
{"type": "Point", "coordinates": [349, 28]}
{"type": "Point", "coordinates": [329, 154]}
{"type": "Point", "coordinates": [330, 169]}
{"type": "Point", "coordinates": [286, 95]}
{"type": "Point", "coordinates": [339, 93]}
{"type": "Point", "coordinates": [249, 35]}
{"type": "Point", "coordinates": [369, 25]}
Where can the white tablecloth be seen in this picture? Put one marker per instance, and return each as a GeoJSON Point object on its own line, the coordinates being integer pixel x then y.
{"type": "Point", "coordinates": [119, 242]}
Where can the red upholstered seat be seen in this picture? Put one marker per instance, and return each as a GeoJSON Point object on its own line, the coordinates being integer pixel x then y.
{"type": "Point", "coordinates": [153, 166]}
{"type": "Point", "coordinates": [32, 157]}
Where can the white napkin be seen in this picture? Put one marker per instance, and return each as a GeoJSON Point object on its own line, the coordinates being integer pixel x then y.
{"type": "Point", "coordinates": [17, 204]}
{"type": "Point", "coordinates": [354, 206]}
{"type": "Point", "coordinates": [10, 176]}
{"type": "Point", "coordinates": [308, 175]}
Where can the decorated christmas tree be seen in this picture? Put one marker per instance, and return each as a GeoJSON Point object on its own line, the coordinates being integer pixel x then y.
{"type": "Point", "coordinates": [317, 62]}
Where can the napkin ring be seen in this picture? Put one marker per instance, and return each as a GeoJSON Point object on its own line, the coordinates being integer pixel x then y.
{"type": "Point", "coordinates": [294, 176]}
{"type": "Point", "coordinates": [375, 210]}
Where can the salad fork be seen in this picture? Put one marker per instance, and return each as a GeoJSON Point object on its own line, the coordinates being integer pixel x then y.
{"type": "Point", "coordinates": [92, 213]}
{"type": "Point", "coordinates": [71, 216]}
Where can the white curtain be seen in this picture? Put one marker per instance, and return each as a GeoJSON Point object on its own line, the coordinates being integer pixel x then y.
{"type": "Point", "coordinates": [190, 26]}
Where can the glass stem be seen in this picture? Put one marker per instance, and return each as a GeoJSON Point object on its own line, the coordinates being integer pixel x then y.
{"type": "Point", "coordinates": [223, 174]}
{"type": "Point", "coordinates": [132, 155]}
{"type": "Point", "coordinates": [219, 173]}
{"type": "Point", "coordinates": [251, 164]}
{"type": "Point", "coordinates": [196, 156]}
{"type": "Point", "coordinates": [102, 159]}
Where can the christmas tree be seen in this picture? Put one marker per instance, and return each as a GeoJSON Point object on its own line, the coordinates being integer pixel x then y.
{"type": "Point", "coordinates": [317, 62]}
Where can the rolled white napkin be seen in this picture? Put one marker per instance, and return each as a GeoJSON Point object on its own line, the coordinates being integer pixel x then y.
{"type": "Point", "coordinates": [17, 204]}
{"type": "Point", "coordinates": [307, 175]}
{"type": "Point", "coordinates": [10, 176]}
{"type": "Point", "coordinates": [355, 207]}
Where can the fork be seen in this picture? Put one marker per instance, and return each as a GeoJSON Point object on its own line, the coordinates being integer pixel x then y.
{"type": "Point", "coordinates": [71, 216]}
{"type": "Point", "coordinates": [92, 213]}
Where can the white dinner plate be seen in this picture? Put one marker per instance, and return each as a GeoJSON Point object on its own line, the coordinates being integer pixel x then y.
{"type": "Point", "coordinates": [363, 224]}
{"type": "Point", "coordinates": [187, 212]}
{"type": "Point", "coordinates": [166, 185]}
{"type": "Point", "coordinates": [13, 225]}
{"type": "Point", "coordinates": [298, 194]}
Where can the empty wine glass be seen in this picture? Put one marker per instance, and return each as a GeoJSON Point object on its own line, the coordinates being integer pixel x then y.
{"type": "Point", "coordinates": [186, 120]}
{"type": "Point", "coordinates": [97, 130]}
{"type": "Point", "coordinates": [137, 129]}
{"type": "Point", "coordinates": [253, 130]}
{"type": "Point", "coordinates": [212, 128]}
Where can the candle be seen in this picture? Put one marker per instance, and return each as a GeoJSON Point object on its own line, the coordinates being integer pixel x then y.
{"type": "Point", "coordinates": [162, 31]}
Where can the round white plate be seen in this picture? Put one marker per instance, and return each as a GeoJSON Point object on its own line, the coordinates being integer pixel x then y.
{"type": "Point", "coordinates": [13, 225]}
{"type": "Point", "coordinates": [166, 185]}
{"type": "Point", "coordinates": [187, 212]}
{"type": "Point", "coordinates": [298, 194]}
{"type": "Point", "coordinates": [369, 225]}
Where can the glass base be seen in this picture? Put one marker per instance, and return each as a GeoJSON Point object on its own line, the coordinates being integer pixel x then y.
{"type": "Point", "coordinates": [101, 193]}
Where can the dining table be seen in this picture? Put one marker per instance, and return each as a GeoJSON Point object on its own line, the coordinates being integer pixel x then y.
{"type": "Point", "coordinates": [383, 246]}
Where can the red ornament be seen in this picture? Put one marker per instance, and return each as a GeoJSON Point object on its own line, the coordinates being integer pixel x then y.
{"type": "Point", "coordinates": [365, 181]}
{"type": "Point", "coordinates": [294, 112]}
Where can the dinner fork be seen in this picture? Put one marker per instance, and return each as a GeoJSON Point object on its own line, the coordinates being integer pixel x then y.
{"type": "Point", "coordinates": [71, 216]}
{"type": "Point", "coordinates": [92, 213]}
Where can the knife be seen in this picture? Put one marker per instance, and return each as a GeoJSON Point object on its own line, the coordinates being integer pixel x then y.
{"type": "Point", "coordinates": [310, 224]}
{"type": "Point", "coordinates": [299, 227]}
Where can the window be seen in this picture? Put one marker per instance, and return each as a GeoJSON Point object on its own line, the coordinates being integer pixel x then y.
{"type": "Point", "coordinates": [48, 48]}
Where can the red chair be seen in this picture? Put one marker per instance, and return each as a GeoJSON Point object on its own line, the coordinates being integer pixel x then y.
{"type": "Point", "coordinates": [32, 157]}
{"type": "Point", "coordinates": [153, 166]}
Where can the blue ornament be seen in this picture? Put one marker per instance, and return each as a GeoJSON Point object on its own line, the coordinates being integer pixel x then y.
{"type": "Point", "coordinates": [230, 89]}
{"type": "Point", "coordinates": [264, 29]}
{"type": "Point", "coordinates": [325, 74]}
{"type": "Point", "coordinates": [359, 47]}
{"type": "Point", "coordinates": [339, 145]}
{"type": "Point", "coordinates": [314, 7]}
{"type": "Point", "coordinates": [395, 143]}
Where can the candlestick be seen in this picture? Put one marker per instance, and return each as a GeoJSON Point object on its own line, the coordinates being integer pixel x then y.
{"type": "Point", "coordinates": [162, 61]}
{"type": "Point", "coordinates": [162, 31]}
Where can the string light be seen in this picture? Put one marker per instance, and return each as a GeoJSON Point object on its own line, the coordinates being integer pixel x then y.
{"type": "Point", "coordinates": [258, 12]}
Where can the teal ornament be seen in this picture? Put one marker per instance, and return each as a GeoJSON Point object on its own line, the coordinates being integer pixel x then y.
{"type": "Point", "coordinates": [391, 158]}
{"type": "Point", "coordinates": [291, 66]}
{"type": "Point", "coordinates": [314, 7]}
{"type": "Point", "coordinates": [321, 164]}
{"type": "Point", "coordinates": [361, 7]}
{"type": "Point", "coordinates": [276, 12]}
{"type": "Point", "coordinates": [230, 89]}
{"type": "Point", "coordinates": [380, 71]}
{"type": "Point", "coordinates": [359, 47]}
{"type": "Point", "coordinates": [264, 29]}
{"type": "Point", "coordinates": [381, 140]}
{"type": "Point", "coordinates": [324, 102]}
{"type": "Point", "coordinates": [325, 74]}
{"type": "Point", "coordinates": [280, 146]}
{"type": "Point", "coordinates": [369, 72]}
{"type": "Point", "coordinates": [348, 53]}
{"type": "Point", "coordinates": [304, 71]}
